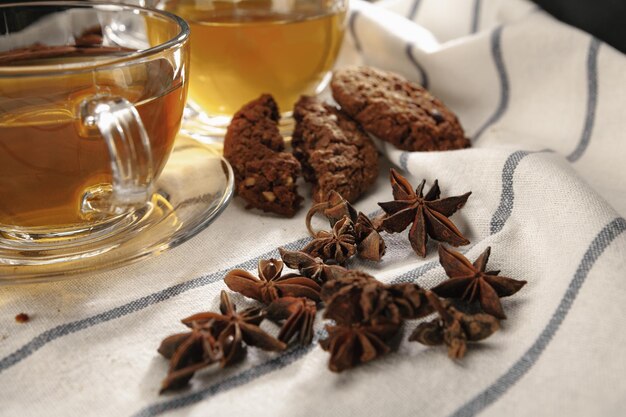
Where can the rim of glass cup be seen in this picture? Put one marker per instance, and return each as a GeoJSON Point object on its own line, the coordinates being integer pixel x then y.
{"type": "Point", "coordinates": [84, 66]}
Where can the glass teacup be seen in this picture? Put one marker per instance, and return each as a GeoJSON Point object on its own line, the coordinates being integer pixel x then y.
{"type": "Point", "coordinates": [91, 99]}
{"type": "Point", "coordinates": [241, 49]}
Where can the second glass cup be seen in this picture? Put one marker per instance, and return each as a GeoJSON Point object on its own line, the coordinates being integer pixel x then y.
{"type": "Point", "coordinates": [242, 49]}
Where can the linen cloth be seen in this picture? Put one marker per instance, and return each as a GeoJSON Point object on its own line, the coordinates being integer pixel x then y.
{"type": "Point", "coordinates": [544, 106]}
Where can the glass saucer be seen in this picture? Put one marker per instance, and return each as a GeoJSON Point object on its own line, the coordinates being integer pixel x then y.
{"type": "Point", "coordinates": [195, 186]}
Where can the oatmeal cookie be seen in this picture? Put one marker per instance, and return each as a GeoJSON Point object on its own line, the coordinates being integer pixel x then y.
{"type": "Point", "coordinates": [396, 110]}
{"type": "Point", "coordinates": [265, 175]}
{"type": "Point", "coordinates": [334, 152]}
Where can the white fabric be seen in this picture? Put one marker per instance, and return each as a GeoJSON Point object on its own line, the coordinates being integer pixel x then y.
{"type": "Point", "coordinates": [543, 103]}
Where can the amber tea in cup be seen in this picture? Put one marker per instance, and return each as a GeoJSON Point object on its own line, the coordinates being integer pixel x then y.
{"type": "Point", "coordinates": [90, 106]}
{"type": "Point", "coordinates": [47, 163]}
{"type": "Point", "coordinates": [241, 49]}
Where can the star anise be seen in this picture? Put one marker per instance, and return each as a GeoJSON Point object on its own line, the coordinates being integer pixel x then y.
{"type": "Point", "coordinates": [366, 316]}
{"type": "Point", "coordinates": [270, 285]}
{"type": "Point", "coordinates": [359, 297]}
{"type": "Point", "coordinates": [338, 245]}
{"type": "Point", "coordinates": [429, 214]}
{"type": "Point", "coordinates": [311, 267]}
{"type": "Point", "coordinates": [470, 281]}
{"type": "Point", "coordinates": [370, 245]}
{"type": "Point", "coordinates": [188, 352]}
{"type": "Point", "coordinates": [231, 329]}
{"type": "Point", "coordinates": [354, 298]}
{"type": "Point", "coordinates": [350, 345]}
{"type": "Point", "coordinates": [299, 315]}
{"type": "Point", "coordinates": [334, 208]}
{"type": "Point", "coordinates": [410, 300]}
{"type": "Point", "coordinates": [454, 328]}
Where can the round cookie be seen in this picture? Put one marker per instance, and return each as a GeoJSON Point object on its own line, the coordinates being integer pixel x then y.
{"type": "Point", "coordinates": [396, 110]}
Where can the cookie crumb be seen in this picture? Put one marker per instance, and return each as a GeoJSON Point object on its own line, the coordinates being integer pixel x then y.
{"type": "Point", "coordinates": [22, 318]}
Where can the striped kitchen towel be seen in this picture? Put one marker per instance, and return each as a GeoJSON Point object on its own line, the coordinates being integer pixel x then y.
{"type": "Point", "coordinates": [543, 104]}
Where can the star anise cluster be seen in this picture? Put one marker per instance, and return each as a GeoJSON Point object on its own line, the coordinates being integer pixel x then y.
{"type": "Point", "coordinates": [468, 283]}
{"type": "Point", "coordinates": [214, 338]}
{"type": "Point", "coordinates": [367, 315]}
{"type": "Point", "coordinates": [353, 233]}
{"type": "Point", "coordinates": [291, 298]}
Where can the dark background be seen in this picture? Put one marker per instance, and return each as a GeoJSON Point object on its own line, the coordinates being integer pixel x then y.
{"type": "Point", "coordinates": [606, 19]}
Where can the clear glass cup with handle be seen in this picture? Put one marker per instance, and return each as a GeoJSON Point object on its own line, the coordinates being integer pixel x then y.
{"type": "Point", "coordinates": [91, 99]}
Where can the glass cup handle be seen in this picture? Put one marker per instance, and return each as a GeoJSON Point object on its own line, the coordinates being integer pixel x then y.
{"type": "Point", "coordinates": [117, 121]}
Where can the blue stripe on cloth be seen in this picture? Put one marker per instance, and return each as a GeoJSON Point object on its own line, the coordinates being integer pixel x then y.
{"type": "Point", "coordinates": [292, 356]}
{"type": "Point", "coordinates": [503, 212]}
{"type": "Point", "coordinates": [475, 17]}
{"type": "Point", "coordinates": [496, 390]}
{"type": "Point", "coordinates": [496, 52]}
{"type": "Point", "coordinates": [416, 273]}
{"type": "Point", "coordinates": [352, 28]}
{"type": "Point", "coordinates": [412, 14]}
{"type": "Point", "coordinates": [136, 305]}
{"type": "Point", "coordinates": [592, 100]}
{"type": "Point", "coordinates": [420, 69]}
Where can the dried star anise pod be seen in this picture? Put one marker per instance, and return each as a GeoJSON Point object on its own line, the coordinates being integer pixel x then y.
{"type": "Point", "coordinates": [410, 300]}
{"type": "Point", "coordinates": [454, 328]}
{"type": "Point", "coordinates": [334, 209]}
{"type": "Point", "coordinates": [358, 297]}
{"type": "Point", "coordinates": [429, 214]}
{"type": "Point", "coordinates": [311, 267]}
{"type": "Point", "coordinates": [350, 345]}
{"type": "Point", "coordinates": [370, 245]}
{"type": "Point", "coordinates": [354, 298]}
{"type": "Point", "coordinates": [470, 281]}
{"type": "Point", "coordinates": [299, 315]}
{"type": "Point", "coordinates": [231, 329]}
{"type": "Point", "coordinates": [338, 245]}
{"type": "Point", "coordinates": [270, 285]}
{"type": "Point", "coordinates": [188, 352]}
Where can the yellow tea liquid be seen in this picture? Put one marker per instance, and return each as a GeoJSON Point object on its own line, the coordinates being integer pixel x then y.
{"type": "Point", "coordinates": [45, 163]}
{"type": "Point", "coordinates": [241, 50]}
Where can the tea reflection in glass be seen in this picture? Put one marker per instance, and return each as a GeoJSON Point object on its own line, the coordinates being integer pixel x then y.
{"type": "Point", "coordinates": [242, 49]}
